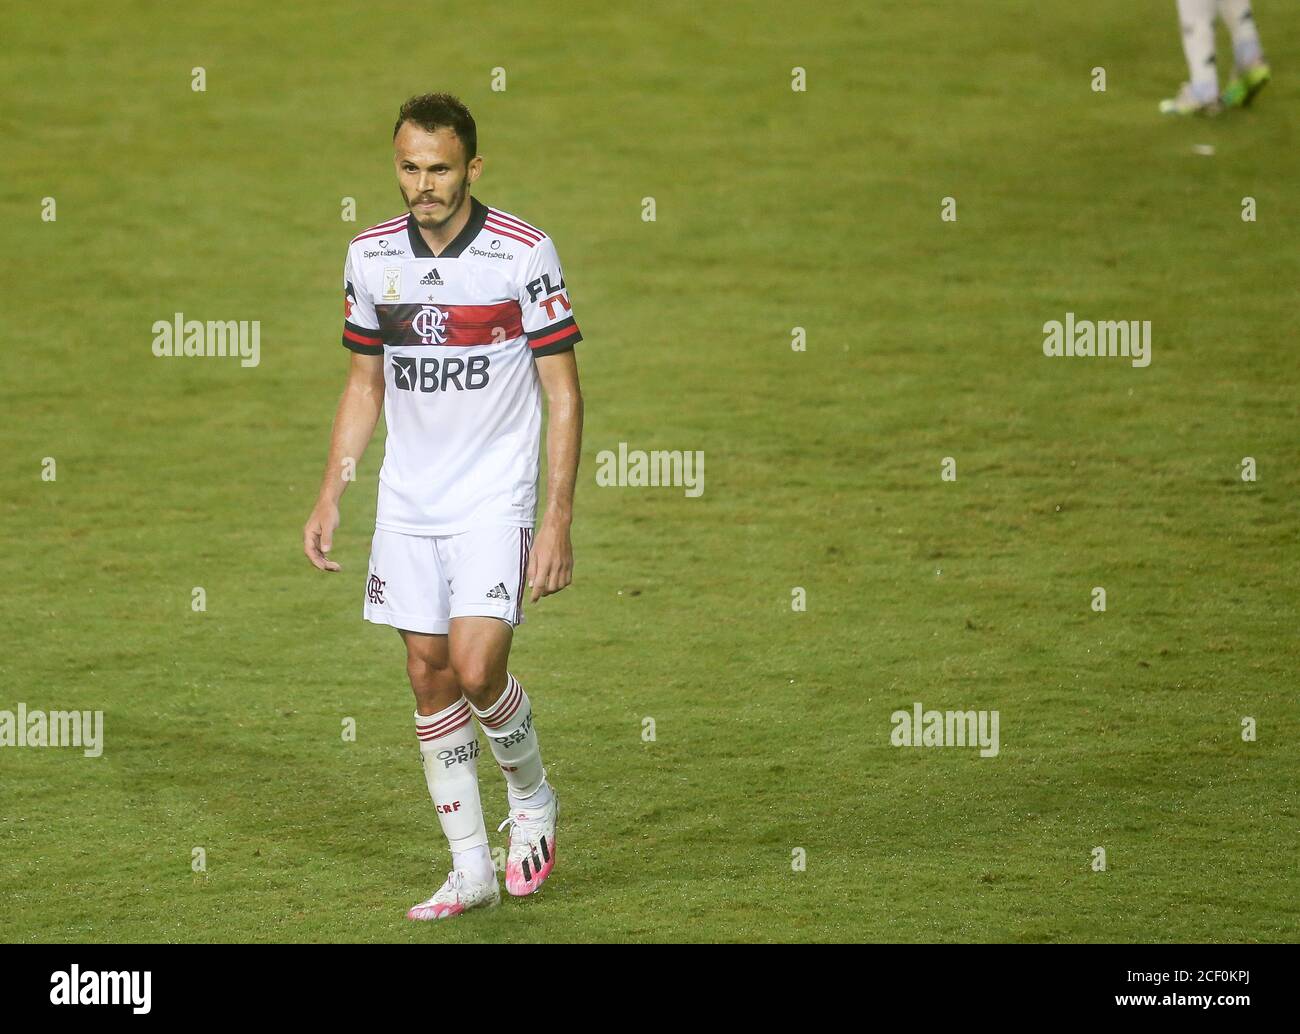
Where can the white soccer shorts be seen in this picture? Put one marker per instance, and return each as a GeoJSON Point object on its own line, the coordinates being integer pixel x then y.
{"type": "Point", "coordinates": [420, 582]}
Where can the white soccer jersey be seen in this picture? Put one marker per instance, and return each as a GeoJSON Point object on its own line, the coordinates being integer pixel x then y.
{"type": "Point", "coordinates": [458, 332]}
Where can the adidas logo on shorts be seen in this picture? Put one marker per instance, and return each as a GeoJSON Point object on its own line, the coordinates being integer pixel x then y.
{"type": "Point", "coordinates": [499, 593]}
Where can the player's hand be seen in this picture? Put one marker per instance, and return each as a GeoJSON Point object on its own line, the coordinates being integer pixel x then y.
{"type": "Point", "coordinates": [318, 535]}
{"type": "Point", "coordinates": [550, 563]}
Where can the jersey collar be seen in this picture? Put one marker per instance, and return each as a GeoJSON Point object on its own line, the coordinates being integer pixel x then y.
{"type": "Point", "coordinates": [477, 216]}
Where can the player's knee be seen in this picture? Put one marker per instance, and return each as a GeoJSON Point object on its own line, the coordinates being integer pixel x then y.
{"type": "Point", "coordinates": [425, 673]}
{"type": "Point", "coordinates": [479, 683]}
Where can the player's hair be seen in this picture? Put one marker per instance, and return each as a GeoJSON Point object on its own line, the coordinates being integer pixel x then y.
{"type": "Point", "coordinates": [432, 111]}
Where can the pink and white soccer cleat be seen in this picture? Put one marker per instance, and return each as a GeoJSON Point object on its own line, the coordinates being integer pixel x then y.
{"type": "Point", "coordinates": [459, 894]}
{"type": "Point", "coordinates": [532, 847]}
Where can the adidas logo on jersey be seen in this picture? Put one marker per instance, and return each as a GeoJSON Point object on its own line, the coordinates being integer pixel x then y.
{"type": "Point", "coordinates": [499, 593]}
{"type": "Point", "coordinates": [431, 279]}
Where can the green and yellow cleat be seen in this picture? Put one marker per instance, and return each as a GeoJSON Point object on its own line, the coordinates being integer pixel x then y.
{"type": "Point", "coordinates": [1242, 90]}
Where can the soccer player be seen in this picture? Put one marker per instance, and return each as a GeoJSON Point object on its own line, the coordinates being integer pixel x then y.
{"type": "Point", "coordinates": [1200, 96]}
{"type": "Point", "coordinates": [458, 319]}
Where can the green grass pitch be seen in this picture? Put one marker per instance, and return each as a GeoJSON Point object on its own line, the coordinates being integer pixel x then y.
{"type": "Point", "coordinates": [775, 209]}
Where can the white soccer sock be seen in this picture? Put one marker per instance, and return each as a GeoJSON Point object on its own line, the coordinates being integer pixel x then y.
{"type": "Point", "coordinates": [1197, 20]}
{"type": "Point", "coordinates": [449, 750]}
{"type": "Point", "coordinates": [1240, 20]}
{"type": "Point", "coordinates": [509, 727]}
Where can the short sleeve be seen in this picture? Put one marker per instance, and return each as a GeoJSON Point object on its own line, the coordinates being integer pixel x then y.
{"type": "Point", "coordinates": [544, 302]}
{"type": "Point", "coordinates": [360, 325]}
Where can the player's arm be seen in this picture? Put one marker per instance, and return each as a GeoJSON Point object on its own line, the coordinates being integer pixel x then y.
{"type": "Point", "coordinates": [354, 424]}
{"type": "Point", "coordinates": [550, 566]}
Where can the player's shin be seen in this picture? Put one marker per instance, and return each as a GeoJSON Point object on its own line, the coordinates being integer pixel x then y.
{"type": "Point", "coordinates": [449, 749]}
{"type": "Point", "coordinates": [509, 727]}
{"type": "Point", "coordinates": [1197, 21]}
{"type": "Point", "coordinates": [1240, 20]}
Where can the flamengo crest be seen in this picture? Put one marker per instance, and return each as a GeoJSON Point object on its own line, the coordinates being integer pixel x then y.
{"type": "Point", "coordinates": [431, 324]}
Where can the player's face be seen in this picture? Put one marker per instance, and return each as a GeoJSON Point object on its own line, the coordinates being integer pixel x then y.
{"type": "Point", "coordinates": [433, 173]}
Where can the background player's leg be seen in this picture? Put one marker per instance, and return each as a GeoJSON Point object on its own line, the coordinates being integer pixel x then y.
{"type": "Point", "coordinates": [1197, 20]}
{"type": "Point", "coordinates": [449, 750]}
{"type": "Point", "coordinates": [1247, 53]}
{"type": "Point", "coordinates": [1240, 20]}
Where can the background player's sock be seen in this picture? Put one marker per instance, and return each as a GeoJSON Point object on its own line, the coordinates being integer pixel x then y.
{"type": "Point", "coordinates": [1240, 20]}
{"type": "Point", "coordinates": [449, 750]}
{"type": "Point", "coordinates": [1197, 20]}
{"type": "Point", "coordinates": [509, 727]}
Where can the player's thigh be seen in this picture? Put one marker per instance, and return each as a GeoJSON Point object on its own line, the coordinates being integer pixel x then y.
{"type": "Point", "coordinates": [480, 654]}
{"type": "Point", "coordinates": [485, 570]}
